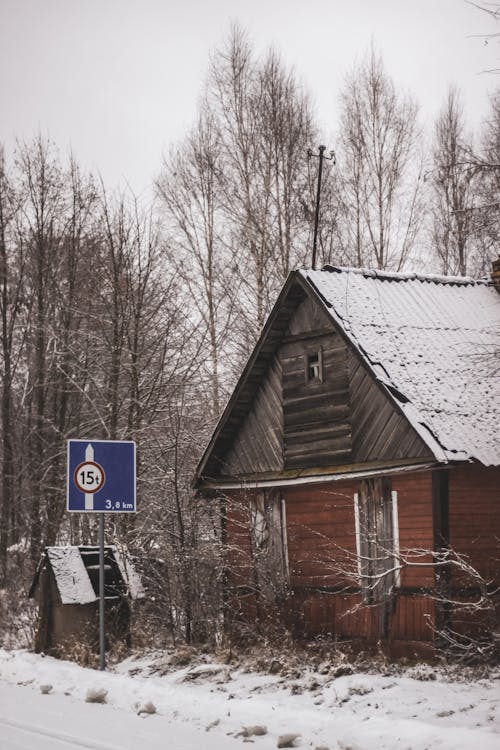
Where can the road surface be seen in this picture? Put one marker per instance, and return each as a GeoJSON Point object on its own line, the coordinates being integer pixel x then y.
{"type": "Point", "coordinates": [32, 721]}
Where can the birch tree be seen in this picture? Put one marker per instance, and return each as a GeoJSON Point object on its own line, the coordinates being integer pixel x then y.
{"type": "Point", "coordinates": [189, 188]}
{"type": "Point", "coordinates": [452, 178]}
{"type": "Point", "coordinates": [266, 127]}
{"type": "Point", "coordinates": [380, 167]}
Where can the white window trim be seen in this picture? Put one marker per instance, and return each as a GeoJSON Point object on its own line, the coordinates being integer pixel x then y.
{"type": "Point", "coordinates": [395, 536]}
{"type": "Point", "coordinates": [284, 538]}
{"type": "Point", "coordinates": [358, 533]}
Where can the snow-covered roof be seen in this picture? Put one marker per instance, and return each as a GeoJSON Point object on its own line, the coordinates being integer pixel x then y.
{"type": "Point", "coordinates": [129, 573]}
{"type": "Point", "coordinates": [434, 341]}
{"type": "Point", "coordinates": [72, 577]}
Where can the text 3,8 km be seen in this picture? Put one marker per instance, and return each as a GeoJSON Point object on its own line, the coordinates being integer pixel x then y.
{"type": "Point", "coordinates": [118, 505]}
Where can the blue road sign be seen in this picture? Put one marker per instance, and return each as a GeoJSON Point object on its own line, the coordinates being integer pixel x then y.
{"type": "Point", "coordinates": [101, 476]}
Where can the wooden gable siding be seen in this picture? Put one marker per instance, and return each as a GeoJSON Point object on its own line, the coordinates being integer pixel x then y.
{"type": "Point", "coordinates": [317, 430]}
{"type": "Point", "coordinates": [258, 445]}
{"type": "Point", "coordinates": [279, 422]}
{"type": "Point", "coordinates": [214, 460]}
{"type": "Point", "coordinates": [379, 431]}
{"type": "Point", "coordinates": [291, 423]}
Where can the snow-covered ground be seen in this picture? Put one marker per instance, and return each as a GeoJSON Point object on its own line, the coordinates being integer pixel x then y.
{"type": "Point", "coordinates": [215, 705]}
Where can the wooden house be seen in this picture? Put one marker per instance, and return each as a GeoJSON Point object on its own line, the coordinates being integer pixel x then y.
{"type": "Point", "coordinates": [66, 587]}
{"type": "Point", "coordinates": [358, 461]}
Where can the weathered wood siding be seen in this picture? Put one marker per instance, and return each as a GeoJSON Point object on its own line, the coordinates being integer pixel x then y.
{"type": "Point", "coordinates": [308, 318]}
{"type": "Point", "coordinates": [415, 527]}
{"type": "Point", "coordinates": [474, 517]}
{"type": "Point", "coordinates": [322, 562]}
{"type": "Point", "coordinates": [322, 555]}
{"type": "Point", "coordinates": [258, 445]}
{"type": "Point", "coordinates": [379, 431]}
{"type": "Point", "coordinates": [343, 419]}
{"type": "Point", "coordinates": [317, 431]}
{"type": "Point", "coordinates": [321, 534]}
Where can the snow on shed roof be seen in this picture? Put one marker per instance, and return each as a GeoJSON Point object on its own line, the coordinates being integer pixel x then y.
{"type": "Point", "coordinates": [129, 574]}
{"type": "Point", "coordinates": [72, 579]}
{"type": "Point", "coordinates": [434, 341]}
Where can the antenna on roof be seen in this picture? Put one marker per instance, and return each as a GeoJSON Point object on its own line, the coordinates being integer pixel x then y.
{"type": "Point", "coordinates": [319, 156]}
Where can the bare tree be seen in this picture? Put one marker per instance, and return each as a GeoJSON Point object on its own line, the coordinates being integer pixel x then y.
{"type": "Point", "coordinates": [451, 180]}
{"type": "Point", "coordinates": [11, 303]}
{"type": "Point", "coordinates": [233, 195]}
{"type": "Point", "coordinates": [189, 188]}
{"type": "Point", "coordinates": [266, 126]}
{"type": "Point", "coordinates": [41, 183]}
{"type": "Point", "coordinates": [486, 183]}
{"type": "Point", "coordinates": [380, 166]}
{"type": "Point", "coordinates": [74, 288]}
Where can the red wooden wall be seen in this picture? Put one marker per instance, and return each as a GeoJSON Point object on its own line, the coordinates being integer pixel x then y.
{"type": "Point", "coordinates": [321, 542]}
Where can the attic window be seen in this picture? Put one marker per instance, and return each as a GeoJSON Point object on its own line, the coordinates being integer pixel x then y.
{"type": "Point", "coordinates": [314, 367]}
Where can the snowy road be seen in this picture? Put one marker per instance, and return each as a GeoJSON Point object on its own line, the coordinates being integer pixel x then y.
{"type": "Point", "coordinates": [206, 705]}
{"type": "Point", "coordinates": [31, 721]}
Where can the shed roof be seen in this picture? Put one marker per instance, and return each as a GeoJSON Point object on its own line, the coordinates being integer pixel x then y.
{"type": "Point", "coordinates": [434, 341]}
{"type": "Point", "coordinates": [72, 577]}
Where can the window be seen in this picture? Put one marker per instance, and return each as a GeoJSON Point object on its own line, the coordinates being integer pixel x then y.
{"type": "Point", "coordinates": [268, 539]}
{"type": "Point", "coordinates": [377, 538]}
{"type": "Point", "coordinates": [314, 367]}
{"type": "Point", "coordinates": [258, 522]}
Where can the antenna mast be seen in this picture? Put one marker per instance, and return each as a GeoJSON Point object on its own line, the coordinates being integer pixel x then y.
{"type": "Point", "coordinates": [321, 156]}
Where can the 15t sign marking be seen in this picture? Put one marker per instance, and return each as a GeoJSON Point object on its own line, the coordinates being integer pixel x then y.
{"type": "Point", "coordinates": [101, 476]}
{"type": "Point", "coordinates": [89, 477]}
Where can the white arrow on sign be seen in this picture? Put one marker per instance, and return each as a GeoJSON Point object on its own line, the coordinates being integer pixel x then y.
{"type": "Point", "coordinates": [89, 496]}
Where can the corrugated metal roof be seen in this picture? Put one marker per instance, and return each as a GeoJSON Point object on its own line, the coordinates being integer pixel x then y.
{"type": "Point", "coordinates": [435, 341]}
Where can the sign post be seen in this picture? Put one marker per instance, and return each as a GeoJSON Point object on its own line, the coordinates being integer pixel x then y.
{"type": "Point", "coordinates": [101, 479]}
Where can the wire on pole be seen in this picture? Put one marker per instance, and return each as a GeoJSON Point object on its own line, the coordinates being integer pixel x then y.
{"type": "Point", "coordinates": [321, 156]}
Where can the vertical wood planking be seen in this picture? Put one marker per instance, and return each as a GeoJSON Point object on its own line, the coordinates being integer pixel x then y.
{"type": "Point", "coordinates": [258, 445]}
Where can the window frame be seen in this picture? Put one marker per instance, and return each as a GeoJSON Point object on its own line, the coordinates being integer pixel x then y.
{"type": "Point", "coordinates": [314, 380]}
{"type": "Point", "coordinates": [368, 541]}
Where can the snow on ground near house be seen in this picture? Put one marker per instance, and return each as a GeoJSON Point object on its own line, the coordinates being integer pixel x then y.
{"type": "Point", "coordinates": [208, 704]}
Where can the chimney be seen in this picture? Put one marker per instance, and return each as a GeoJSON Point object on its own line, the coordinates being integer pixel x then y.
{"type": "Point", "coordinates": [495, 274]}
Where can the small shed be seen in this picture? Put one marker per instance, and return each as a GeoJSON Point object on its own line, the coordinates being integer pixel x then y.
{"type": "Point", "coordinates": [66, 587]}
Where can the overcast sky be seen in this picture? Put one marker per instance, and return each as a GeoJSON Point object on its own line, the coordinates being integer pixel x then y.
{"type": "Point", "coordinates": [118, 80]}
